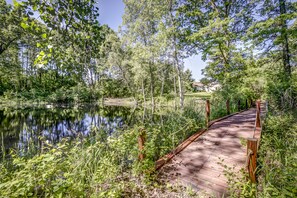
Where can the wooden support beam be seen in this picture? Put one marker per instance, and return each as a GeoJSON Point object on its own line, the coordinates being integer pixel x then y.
{"type": "Point", "coordinates": [246, 104]}
{"type": "Point", "coordinates": [207, 109]}
{"type": "Point", "coordinates": [259, 105]}
{"type": "Point", "coordinates": [251, 103]}
{"type": "Point", "coordinates": [228, 106]}
{"type": "Point", "coordinates": [238, 105]}
{"type": "Point", "coordinates": [141, 142]}
{"type": "Point", "coordinates": [258, 113]}
{"type": "Point", "coordinates": [252, 158]}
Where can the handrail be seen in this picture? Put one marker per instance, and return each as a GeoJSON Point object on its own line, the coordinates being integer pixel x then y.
{"type": "Point", "coordinates": [163, 160]}
{"type": "Point", "coordinates": [253, 144]}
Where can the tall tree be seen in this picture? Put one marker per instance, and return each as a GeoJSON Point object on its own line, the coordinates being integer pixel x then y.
{"type": "Point", "coordinates": [271, 31]}
{"type": "Point", "coordinates": [140, 29]}
{"type": "Point", "coordinates": [11, 28]}
{"type": "Point", "coordinates": [151, 27]}
{"type": "Point", "coordinates": [55, 44]}
{"type": "Point", "coordinates": [215, 27]}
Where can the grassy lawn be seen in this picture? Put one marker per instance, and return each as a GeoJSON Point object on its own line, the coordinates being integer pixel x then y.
{"type": "Point", "coordinates": [198, 94]}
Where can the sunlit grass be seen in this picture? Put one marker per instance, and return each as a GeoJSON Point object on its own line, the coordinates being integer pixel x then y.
{"type": "Point", "coordinates": [198, 94]}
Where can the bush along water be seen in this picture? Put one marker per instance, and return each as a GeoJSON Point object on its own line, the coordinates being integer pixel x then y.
{"type": "Point", "coordinates": [98, 166]}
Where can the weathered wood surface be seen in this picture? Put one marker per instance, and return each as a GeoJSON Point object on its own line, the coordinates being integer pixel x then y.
{"type": "Point", "coordinates": [198, 165]}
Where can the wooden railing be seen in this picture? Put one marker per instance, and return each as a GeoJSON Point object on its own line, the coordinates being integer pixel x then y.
{"type": "Point", "coordinates": [209, 122]}
{"type": "Point", "coordinates": [253, 145]}
{"type": "Point", "coordinates": [184, 144]}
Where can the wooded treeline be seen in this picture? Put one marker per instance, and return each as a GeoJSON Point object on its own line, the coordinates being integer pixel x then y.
{"type": "Point", "coordinates": [58, 51]}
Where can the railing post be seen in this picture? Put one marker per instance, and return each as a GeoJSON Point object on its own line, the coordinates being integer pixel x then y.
{"type": "Point", "coordinates": [252, 158]}
{"type": "Point", "coordinates": [141, 142]}
{"type": "Point", "coordinates": [238, 105]}
{"type": "Point", "coordinates": [251, 103]}
{"type": "Point", "coordinates": [228, 106]}
{"type": "Point", "coordinates": [246, 104]}
{"type": "Point", "coordinates": [207, 116]}
{"type": "Point", "coordinates": [258, 107]}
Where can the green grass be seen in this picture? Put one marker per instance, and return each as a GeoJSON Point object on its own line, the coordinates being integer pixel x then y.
{"type": "Point", "coordinates": [198, 94]}
{"type": "Point", "coordinates": [278, 156]}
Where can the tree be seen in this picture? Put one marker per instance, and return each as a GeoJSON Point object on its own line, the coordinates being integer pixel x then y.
{"type": "Point", "coordinates": [272, 33]}
{"type": "Point", "coordinates": [206, 82]}
{"type": "Point", "coordinates": [59, 50]}
{"type": "Point", "coordinates": [11, 26]}
{"type": "Point", "coordinates": [140, 29]}
{"type": "Point", "coordinates": [118, 58]}
{"type": "Point", "coordinates": [151, 28]}
{"type": "Point", "coordinates": [188, 80]}
{"type": "Point", "coordinates": [215, 28]}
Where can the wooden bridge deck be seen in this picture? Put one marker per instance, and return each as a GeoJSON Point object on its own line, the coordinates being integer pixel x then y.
{"type": "Point", "coordinates": [197, 165]}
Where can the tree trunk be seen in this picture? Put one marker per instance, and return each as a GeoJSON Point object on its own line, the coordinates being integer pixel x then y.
{"type": "Point", "coordinates": [284, 36]}
{"type": "Point", "coordinates": [180, 86]}
{"type": "Point", "coordinates": [162, 85]}
{"type": "Point", "coordinates": [175, 92]}
{"type": "Point", "coordinates": [179, 78]}
{"type": "Point", "coordinates": [143, 91]}
{"type": "Point", "coordinates": [176, 59]}
{"type": "Point", "coordinates": [152, 86]}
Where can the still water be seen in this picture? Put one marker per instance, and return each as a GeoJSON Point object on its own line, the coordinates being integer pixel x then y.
{"type": "Point", "coordinates": [24, 127]}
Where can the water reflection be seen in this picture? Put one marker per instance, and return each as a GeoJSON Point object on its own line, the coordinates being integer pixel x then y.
{"type": "Point", "coordinates": [20, 129]}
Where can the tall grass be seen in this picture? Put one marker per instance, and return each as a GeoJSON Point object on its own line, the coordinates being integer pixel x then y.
{"type": "Point", "coordinates": [278, 156]}
{"type": "Point", "coordinates": [218, 107]}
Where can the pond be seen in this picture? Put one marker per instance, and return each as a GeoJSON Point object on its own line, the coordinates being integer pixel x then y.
{"type": "Point", "coordinates": [22, 128]}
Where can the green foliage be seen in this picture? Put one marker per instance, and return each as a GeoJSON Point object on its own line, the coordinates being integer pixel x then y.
{"type": "Point", "coordinates": [218, 104]}
{"type": "Point", "coordinates": [74, 169]}
{"type": "Point", "coordinates": [188, 81]}
{"type": "Point", "coordinates": [273, 32]}
{"type": "Point", "coordinates": [277, 157]}
{"type": "Point", "coordinates": [280, 92]}
{"type": "Point", "coordinates": [238, 182]}
{"type": "Point", "coordinates": [215, 28]}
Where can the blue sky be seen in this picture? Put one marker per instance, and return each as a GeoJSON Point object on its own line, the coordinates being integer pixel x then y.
{"type": "Point", "coordinates": [111, 12]}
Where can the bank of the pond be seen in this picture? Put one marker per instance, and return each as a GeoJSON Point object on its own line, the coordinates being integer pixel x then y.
{"type": "Point", "coordinates": [14, 102]}
{"type": "Point", "coordinates": [23, 128]}
{"type": "Point", "coordinates": [100, 165]}
{"type": "Point", "coordinates": [106, 165]}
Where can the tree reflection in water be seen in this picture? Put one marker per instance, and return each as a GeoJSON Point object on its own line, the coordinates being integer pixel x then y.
{"type": "Point", "coordinates": [27, 129]}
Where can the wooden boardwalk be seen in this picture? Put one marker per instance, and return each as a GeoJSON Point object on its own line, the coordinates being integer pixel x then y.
{"type": "Point", "coordinates": [198, 165]}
